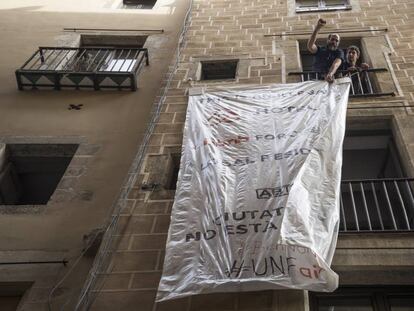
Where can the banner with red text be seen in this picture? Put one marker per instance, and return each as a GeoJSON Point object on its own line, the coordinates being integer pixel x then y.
{"type": "Point", "coordinates": [257, 199]}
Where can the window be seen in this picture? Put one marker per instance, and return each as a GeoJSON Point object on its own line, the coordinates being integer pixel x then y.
{"type": "Point", "coordinates": [30, 173]}
{"type": "Point", "coordinates": [370, 155]}
{"type": "Point", "coordinates": [321, 5]}
{"type": "Point", "coordinates": [122, 57]}
{"type": "Point", "coordinates": [218, 69]}
{"type": "Point", "coordinates": [139, 4]}
{"type": "Point", "coordinates": [307, 58]}
{"type": "Point", "coordinates": [173, 170]}
{"type": "Point", "coordinates": [375, 194]}
{"type": "Point", "coordinates": [390, 298]}
{"type": "Point", "coordinates": [11, 293]}
{"type": "Point", "coordinates": [365, 83]}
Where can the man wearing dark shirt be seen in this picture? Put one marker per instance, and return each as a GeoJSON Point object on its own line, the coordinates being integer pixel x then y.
{"type": "Point", "coordinates": [327, 58]}
{"type": "Point", "coordinates": [356, 72]}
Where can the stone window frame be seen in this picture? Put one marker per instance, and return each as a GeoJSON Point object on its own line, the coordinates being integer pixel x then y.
{"type": "Point", "coordinates": [201, 72]}
{"type": "Point", "coordinates": [384, 120]}
{"type": "Point", "coordinates": [67, 189]}
{"type": "Point", "coordinates": [292, 8]}
{"type": "Point", "coordinates": [242, 70]}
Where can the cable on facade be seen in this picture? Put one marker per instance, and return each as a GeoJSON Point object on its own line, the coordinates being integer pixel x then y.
{"type": "Point", "coordinates": [103, 252]}
{"type": "Point", "coordinates": [49, 297]}
{"type": "Point", "coordinates": [50, 262]}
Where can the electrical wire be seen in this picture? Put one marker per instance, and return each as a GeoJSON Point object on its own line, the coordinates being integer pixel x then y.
{"type": "Point", "coordinates": [49, 297]}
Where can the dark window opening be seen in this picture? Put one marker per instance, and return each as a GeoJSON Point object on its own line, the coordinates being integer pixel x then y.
{"type": "Point", "coordinates": [30, 173]}
{"type": "Point", "coordinates": [321, 5]}
{"type": "Point", "coordinates": [173, 169]}
{"type": "Point", "coordinates": [387, 298]}
{"type": "Point", "coordinates": [370, 155]}
{"type": "Point", "coordinates": [11, 293]}
{"type": "Point", "coordinates": [307, 58]}
{"type": "Point", "coordinates": [113, 41]}
{"type": "Point", "coordinates": [139, 4]}
{"type": "Point", "coordinates": [364, 80]}
{"type": "Point", "coordinates": [376, 195]}
{"type": "Point", "coordinates": [218, 70]}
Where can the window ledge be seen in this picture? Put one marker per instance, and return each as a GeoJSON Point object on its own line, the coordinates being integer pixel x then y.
{"type": "Point", "coordinates": [321, 9]}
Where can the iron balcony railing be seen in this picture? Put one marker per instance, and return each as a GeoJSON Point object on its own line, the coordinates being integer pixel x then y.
{"type": "Point", "coordinates": [362, 80]}
{"type": "Point", "coordinates": [95, 68]}
{"type": "Point", "coordinates": [377, 205]}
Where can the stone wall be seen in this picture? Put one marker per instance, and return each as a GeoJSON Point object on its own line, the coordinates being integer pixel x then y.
{"type": "Point", "coordinates": [226, 29]}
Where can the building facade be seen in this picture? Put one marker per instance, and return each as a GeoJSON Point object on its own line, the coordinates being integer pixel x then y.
{"type": "Point", "coordinates": [110, 213]}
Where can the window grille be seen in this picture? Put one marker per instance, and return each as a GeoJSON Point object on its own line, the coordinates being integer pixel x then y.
{"type": "Point", "coordinates": [321, 5]}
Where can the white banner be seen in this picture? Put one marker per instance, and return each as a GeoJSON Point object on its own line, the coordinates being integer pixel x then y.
{"type": "Point", "coordinates": [257, 200]}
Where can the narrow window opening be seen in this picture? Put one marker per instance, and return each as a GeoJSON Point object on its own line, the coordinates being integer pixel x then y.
{"type": "Point", "coordinates": [174, 168]}
{"type": "Point", "coordinates": [30, 173]}
{"type": "Point", "coordinates": [218, 69]}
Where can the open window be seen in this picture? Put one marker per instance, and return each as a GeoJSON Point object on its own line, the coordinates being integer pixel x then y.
{"type": "Point", "coordinates": [321, 5]}
{"type": "Point", "coordinates": [307, 58]}
{"type": "Point", "coordinates": [218, 69]}
{"type": "Point", "coordinates": [365, 82]}
{"type": "Point", "coordinates": [30, 173]}
{"type": "Point", "coordinates": [376, 195]}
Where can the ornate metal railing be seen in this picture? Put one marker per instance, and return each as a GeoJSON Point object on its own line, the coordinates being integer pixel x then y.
{"type": "Point", "coordinates": [95, 68]}
{"type": "Point", "coordinates": [377, 205]}
{"type": "Point", "coordinates": [362, 80]}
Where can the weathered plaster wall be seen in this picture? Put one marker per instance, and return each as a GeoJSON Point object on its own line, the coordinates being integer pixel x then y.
{"type": "Point", "coordinates": [109, 128]}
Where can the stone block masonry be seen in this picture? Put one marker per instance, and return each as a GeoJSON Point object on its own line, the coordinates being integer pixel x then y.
{"type": "Point", "coordinates": [225, 29]}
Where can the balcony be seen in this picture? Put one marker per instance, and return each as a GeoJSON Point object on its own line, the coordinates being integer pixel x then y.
{"type": "Point", "coordinates": [363, 84]}
{"type": "Point", "coordinates": [82, 68]}
{"type": "Point", "coordinates": [377, 205]}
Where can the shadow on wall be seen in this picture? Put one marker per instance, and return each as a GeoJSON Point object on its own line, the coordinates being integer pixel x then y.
{"type": "Point", "coordinates": [162, 7]}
